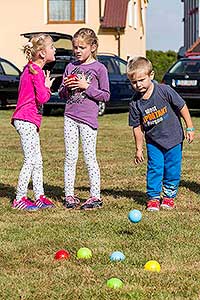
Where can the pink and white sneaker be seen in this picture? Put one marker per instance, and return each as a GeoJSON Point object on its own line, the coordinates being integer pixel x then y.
{"type": "Point", "coordinates": [44, 202]}
{"type": "Point", "coordinates": [92, 203]}
{"type": "Point", "coordinates": [71, 202]}
{"type": "Point", "coordinates": [24, 204]}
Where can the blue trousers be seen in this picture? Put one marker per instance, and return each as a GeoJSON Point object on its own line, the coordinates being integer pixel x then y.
{"type": "Point", "coordinates": [163, 171]}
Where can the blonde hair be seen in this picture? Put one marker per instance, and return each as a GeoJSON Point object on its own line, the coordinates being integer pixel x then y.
{"type": "Point", "coordinates": [89, 37]}
{"type": "Point", "coordinates": [139, 63]}
{"type": "Point", "coordinates": [35, 44]}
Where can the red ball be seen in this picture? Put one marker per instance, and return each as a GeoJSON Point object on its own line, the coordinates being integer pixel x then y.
{"type": "Point", "coordinates": [62, 254]}
{"type": "Point", "coordinates": [72, 76]}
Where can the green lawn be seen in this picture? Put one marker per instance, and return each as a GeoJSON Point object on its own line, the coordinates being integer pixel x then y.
{"type": "Point", "coordinates": [28, 241]}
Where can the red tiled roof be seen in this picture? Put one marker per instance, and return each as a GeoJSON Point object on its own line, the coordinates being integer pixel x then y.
{"type": "Point", "coordinates": [195, 47]}
{"type": "Point", "coordinates": [115, 13]}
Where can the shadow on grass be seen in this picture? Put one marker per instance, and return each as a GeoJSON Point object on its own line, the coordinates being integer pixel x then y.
{"type": "Point", "coordinates": [56, 193]}
{"type": "Point", "coordinates": [191, 185]}
{"type": "Point", "coordinates": [136, 196]}
{"type": "Point", "coordinates": [7, 191]}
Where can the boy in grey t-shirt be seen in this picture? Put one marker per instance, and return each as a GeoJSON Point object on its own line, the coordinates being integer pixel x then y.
{"type": "Point", "coordinates": [155, 114]}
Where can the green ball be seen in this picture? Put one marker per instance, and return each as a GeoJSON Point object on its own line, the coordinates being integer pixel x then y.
{"type": "Point", "coordinates": [114, 283]}
{"type": "Point", "coordinates": [84, 253]}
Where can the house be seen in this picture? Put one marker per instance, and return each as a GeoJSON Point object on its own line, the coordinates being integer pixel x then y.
{"type": "Point", "coordinates": [119, 24]}
{"type": "Point", "coordinates": [191, 28]}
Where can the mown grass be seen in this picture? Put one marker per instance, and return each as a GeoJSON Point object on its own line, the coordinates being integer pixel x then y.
{"type": "Point", "coordinates": [28, 241]}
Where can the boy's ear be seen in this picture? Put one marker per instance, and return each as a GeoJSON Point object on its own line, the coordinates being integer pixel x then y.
{"type": "Point", "coordinates": [152, 75]}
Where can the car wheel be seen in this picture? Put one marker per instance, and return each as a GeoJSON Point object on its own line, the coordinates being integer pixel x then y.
{"type": "Point", "coordinates": [46, 110]}
{"type": "Point", "coordinates": [3, 102]}
{"type": "Point", "coordinates": [102, 108]}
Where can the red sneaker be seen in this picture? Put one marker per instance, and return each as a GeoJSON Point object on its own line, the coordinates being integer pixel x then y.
{"type": "Point", "coordinates": [167, 203]}
{"type": "Point", "coordinates": [153, 205]}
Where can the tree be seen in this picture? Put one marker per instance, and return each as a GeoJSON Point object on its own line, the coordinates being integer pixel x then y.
{"type": "Point", "coordinates": [161, 61]}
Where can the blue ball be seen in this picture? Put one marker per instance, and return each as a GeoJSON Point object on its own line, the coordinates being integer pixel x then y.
{"type": "Point", "coordinates": [117, 256]}
{"type": "Point", "coordinates": [135, 216]}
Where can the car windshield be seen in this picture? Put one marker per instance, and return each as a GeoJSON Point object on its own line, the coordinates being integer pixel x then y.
{"type": "Point", "coordinates": [186, 66]}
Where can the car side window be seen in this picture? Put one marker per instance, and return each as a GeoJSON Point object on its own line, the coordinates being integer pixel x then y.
{"type": "Point", "coordinates": [59, 67]}
{"type": "Point", "coordinates": [1, 70]}
{"type": "Point", "coordinates": [9, 69]}
{"type": "Point", "coordinates": [108, 63]}
{"type": "Point", "coordinates": [121, 66]}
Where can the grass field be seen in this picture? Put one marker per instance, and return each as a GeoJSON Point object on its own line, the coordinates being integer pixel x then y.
{"type": "Point", "coordinates": [28, 241]}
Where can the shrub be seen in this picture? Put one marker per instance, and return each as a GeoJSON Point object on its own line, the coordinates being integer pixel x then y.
{"type": "Point", "coordinates": [161, 61]}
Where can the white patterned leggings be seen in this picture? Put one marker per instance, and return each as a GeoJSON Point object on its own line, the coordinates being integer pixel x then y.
{"type": "Point", "coordinates": [73, 131]}
{"type": "Point", "coordinates": [32, 165]}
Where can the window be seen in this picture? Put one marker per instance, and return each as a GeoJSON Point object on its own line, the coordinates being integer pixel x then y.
{"type": "Point", "coordinates": [66, 11]}
{"type": "Point", "coordinates": [122, 66]}
{"type": "Point", "coordinates": [9, 69]}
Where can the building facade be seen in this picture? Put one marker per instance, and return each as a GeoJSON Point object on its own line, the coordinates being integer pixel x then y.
{"type": "Point", "coordinates": [191, 22]}
{"type": "Point", "coordinates": [119, 24]}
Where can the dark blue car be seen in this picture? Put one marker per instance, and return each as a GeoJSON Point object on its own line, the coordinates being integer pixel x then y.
{"type": "Point", "coordinates": [120, 87]}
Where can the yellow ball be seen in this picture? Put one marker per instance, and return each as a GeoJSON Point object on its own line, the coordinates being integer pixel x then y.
{"type": "Point", "coordinates": [152, 266]}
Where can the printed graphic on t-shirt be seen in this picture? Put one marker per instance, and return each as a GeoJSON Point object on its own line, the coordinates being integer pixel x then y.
{"type": "Point", "coordinates": [153, 115]}
{"type": "Point", "coordinates": [77, 95]}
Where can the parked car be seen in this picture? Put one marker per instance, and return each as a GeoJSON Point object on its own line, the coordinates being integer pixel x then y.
{"type": "Point", "coordinates": [184, 77]}
{"type": "Point", "coordinates": [9, 82]}
{"type": "Point", "coordinates": [120, 87]}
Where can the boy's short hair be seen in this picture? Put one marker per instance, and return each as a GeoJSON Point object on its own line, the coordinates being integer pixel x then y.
{"type": "Point", "coordinates": [138, 63]}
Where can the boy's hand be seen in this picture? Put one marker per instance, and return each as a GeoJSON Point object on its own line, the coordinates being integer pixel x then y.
{"type": "Point", "coordinates": [189, 136]}
{"type": "Point", "coordinates": [139, 158]}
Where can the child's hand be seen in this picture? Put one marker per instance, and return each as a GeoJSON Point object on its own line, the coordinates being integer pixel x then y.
{"type": "Point", "coordinates": [74, 82]}
{"type": "Point", "coordinates": [139, 158]}
{"type": "Point", "coordinates": [189, 136]}
{"type": "Point", "coordinates": [70, 81]}
{"type": "Point", "coordinates": [82, 82]}
{"type": "Point", "coordinates": [48, 80]}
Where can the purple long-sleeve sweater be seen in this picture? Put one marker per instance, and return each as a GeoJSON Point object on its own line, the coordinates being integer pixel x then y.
{"type": "Point", "coordinates": [83, 105]}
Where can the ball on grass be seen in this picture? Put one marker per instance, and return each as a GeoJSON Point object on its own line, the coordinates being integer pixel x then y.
{"type": "Point", "coordinates": [84, 253]}
{"type": "Point", "coordinates": [117, 256]}
{"type": "Point", "coordinates": [152, 266]}
{"type": "Point", "coordinates": [62, 254]}
{"type": "Point", "coordinates": [114, 283]}
{"type": "Point", "coordinates": [135, 216]}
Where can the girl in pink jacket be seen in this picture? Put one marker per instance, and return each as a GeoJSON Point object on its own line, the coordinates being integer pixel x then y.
{"type": "Point", "coordinates": [34, 90]}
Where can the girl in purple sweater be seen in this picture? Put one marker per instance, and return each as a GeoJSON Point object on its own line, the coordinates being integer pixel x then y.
{"type": "Point", "coordinates": [34, 90]}
{"type": "Point", "coordinates": [85, 83]}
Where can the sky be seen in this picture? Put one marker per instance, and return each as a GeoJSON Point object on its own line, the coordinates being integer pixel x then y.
{"type": "Point", "coordinates": [164, 25]}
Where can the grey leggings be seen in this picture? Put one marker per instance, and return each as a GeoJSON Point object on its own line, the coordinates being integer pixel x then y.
{"type": "Point", "coordinates": [32, 165]}
{"type": "Point", "coordinates": [73, 131]}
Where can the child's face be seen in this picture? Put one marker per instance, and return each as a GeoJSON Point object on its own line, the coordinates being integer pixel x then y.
{"type": "Point", "coordinates": [141, 80]}
{"type": "Point", "coordinates": [50, 51]}
{"type": "Point", "coordinates": [83, 51]}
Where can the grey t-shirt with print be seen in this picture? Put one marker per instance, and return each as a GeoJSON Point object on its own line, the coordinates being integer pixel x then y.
{"type": "Point", "coordinates": [159, 116]}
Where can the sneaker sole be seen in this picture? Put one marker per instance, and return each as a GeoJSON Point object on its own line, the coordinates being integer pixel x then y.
{"type": "Point", "coordinates": [46, 206]}
{"type": "Point", "coordinates": [30, 210]}
{"type": "Point", "coordinates": [91, 208]}
{"type": "Point", "coordinates": [69, 208]}
{"type": "Point", "coordinates": [166, 207]}
{"type": "Point", "coordinates": [153, 209]}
